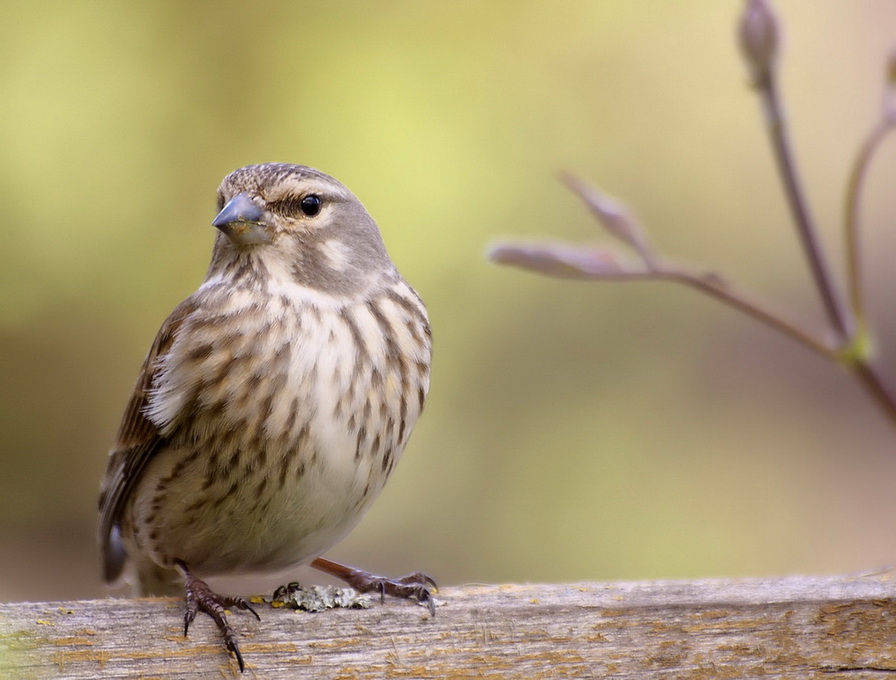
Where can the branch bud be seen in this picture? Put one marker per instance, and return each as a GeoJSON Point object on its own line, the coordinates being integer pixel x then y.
{"type": "Point", "coordinates": [759, 40]}
{"type": "Point", "coordinates": [561, 260]}
{"type": "Point", "coordinates": [614, 216]}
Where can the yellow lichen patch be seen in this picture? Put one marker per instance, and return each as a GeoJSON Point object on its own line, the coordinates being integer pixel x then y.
{"type": "Point", "coordinates": [335, 644]}
{"type": "Point", "coordinates": [269, 647]}
{"type": "Point", "coordinates": [305, 660]}
{"type": "Point", "coordinates": [73, 641]}
{"type": "Point", "coordinates": [596, 637]}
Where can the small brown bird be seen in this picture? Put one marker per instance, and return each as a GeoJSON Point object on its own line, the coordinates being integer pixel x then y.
{"type": "Point", "coordinates": [274, 402]}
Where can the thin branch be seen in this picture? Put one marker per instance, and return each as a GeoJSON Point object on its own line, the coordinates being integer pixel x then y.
{"type": "Point", "coordinates": [592, 264]}
{"type": "Point", "coordinates": [722, 290]}
{"type": "Point", "coordinates": [852, 218]}
{"type": "Point", "coordinates": [759, 35]}
{"type": "Point", "coordinates": [850, 347]}
{"type": "Point", "coordinates": [868, 375]}
{"type": "Point", "coordinates": [839, 315]}
{"type": "Point", "coordinates": [595, 264]}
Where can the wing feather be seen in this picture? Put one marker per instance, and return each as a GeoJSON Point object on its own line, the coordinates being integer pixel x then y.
{"type": "Point", "coordinates": [137, 441]}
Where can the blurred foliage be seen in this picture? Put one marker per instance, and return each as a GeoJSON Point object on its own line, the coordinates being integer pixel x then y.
{"type": "Point", "coordinates": [574, 431]}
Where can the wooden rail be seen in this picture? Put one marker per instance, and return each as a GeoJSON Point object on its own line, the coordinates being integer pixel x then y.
{"type": "Point", "coordinates": [796, 627]}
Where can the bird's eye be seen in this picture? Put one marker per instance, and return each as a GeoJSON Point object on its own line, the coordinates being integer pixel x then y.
{"type": "Point", "coordinates": [311, 204]}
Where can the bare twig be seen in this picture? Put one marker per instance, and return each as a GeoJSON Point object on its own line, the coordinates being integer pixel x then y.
{"type": "Point", "coordinates": [838, 314]}
{"type": "Point", "coordinates": [565, 261]}
{"type": "Point", "coordinates": [851, 220]}
{"type": "Point", "coordinates": [759, 36]}
{"type": "Point", "coordinates": [850, 345]}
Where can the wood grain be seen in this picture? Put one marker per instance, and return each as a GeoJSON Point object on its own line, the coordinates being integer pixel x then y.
{"type": "Point", "coordinates": [796, 627]}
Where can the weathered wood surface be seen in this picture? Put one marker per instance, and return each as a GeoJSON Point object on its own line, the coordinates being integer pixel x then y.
{"type": "Point", "coordinates": [798, 627]}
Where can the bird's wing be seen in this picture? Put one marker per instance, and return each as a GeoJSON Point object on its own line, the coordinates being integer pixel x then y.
{"type": "Point", "coordinates": [137, 441]}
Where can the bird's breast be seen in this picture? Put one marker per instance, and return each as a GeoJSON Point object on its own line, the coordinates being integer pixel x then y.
{"type": "Point", "coordinates": [289, 410]}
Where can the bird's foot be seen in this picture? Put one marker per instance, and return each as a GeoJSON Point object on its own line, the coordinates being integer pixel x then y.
{"type": "Point", "coordinates": [417, 586]}
{"type": "Point", "coordinates": [201, 598]}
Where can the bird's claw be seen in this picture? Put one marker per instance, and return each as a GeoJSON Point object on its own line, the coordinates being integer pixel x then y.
{"type": "Point", "coordinates": [201, 598]}
{"type": "Point", "coordinates": [417, 586]}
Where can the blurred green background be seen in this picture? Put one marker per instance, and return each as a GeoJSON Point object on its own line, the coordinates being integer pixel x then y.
{"type": "Point", "coordinates": [574, 430]}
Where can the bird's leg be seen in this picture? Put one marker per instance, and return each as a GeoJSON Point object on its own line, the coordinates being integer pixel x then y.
{"type": "Point", "coordinates": [201, 598]}
{"type": "Point", "coordinates": [418, 585]}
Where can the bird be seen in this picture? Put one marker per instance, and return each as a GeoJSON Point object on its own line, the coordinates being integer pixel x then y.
{"type": "Point", "coordinates": [273, 404]}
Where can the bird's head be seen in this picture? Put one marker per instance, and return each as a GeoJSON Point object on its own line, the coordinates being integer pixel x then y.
{"type": "Point", "coordinates": [279, 219]}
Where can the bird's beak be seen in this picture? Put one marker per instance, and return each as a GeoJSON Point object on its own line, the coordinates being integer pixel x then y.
{"type": "Point", "coordinates": [241, 221]}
